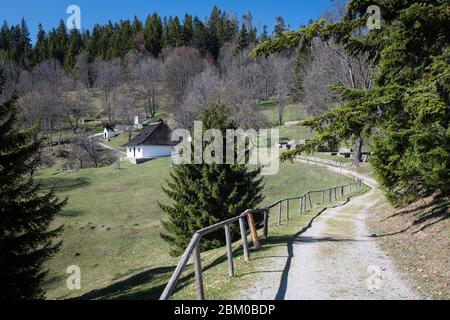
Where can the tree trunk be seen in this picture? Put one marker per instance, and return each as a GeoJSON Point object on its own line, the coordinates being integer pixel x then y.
{"type": "Point", "coordinates": [280, 115]}
{"type": "Point", "coordinates": [59, 139]}
{"type": "Point", "coordinates": [358, 152]}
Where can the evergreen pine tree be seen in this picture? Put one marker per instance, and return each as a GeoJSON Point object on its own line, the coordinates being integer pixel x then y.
{"type": "Point", "coordinates": [74, 47]}
{"type": "Point", "coordinates": [280, 27]}
{"type": "Point", "coordinates": [175, 34]}
{"type": "Point", "coordinates": [26, 240]}
{"type": "Point", "coordinates": [24, 49]}
{"type": "Point", "coordinates": [188, 30]}
{"type": "Point", "coordinates": [5, 37]}
{"type": "Point", "coordinates": [165, 34]}
{"type": "Point", "coordinates": [242, 40]}
{"type": "Point", "coordinates": [153, 32]}
{"type": "Point", "coordinates": [41, 47]}
{"type": "Point", "coordinates": [200, 37]}
{"type": "Point", "coordinates": [208, 193]}
{"type": "Point", "coordinates": [137, 26]}
{"type": "Point", "coordinates": [57, 42]}
{"type": "Point", "coordinates": [264, 34]}
{"type": "Point", "coordinates": [214, 32]}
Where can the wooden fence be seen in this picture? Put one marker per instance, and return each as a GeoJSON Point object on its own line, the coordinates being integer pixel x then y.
{"type": "Point", "coordinates": [193, 249]}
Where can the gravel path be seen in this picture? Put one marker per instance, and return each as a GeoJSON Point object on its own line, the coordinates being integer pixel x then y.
{"type": "Point", "coordinates": [335, 259]}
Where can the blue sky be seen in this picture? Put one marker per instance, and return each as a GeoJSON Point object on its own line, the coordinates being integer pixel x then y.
{"type": "Point", "coordinates": [49, 12]}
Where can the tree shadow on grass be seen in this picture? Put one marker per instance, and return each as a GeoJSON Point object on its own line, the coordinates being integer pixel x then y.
{"type": "Point", "coordinates": [130, 288]}
{"type": "Point", "coordinates": [70, 213]}
{"type": "Point", "coordinates": [63, 184]}
{"type": "Point", "coordinates": [121, 289]}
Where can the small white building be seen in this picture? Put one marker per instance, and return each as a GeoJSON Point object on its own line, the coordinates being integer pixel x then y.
{"type": "Point", "coordinates": [109, 132]}
{"type": "Point", "coordinates": [138, 122]}
{"type": "Point", "coordinates": [154, 141]}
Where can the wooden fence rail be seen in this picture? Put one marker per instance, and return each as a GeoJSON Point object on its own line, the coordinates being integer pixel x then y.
{"type": "Point", "coordinates": [193, 249]}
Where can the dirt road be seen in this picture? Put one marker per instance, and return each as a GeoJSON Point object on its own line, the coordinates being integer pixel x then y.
{"type": "Point", "coordinates": [334, 259]}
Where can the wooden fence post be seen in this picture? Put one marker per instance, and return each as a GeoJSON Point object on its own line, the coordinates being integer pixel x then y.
{"type": "Point", "coordinates": [266, 224]}
{"type": "Point", "coordinates": [253, 232]}
{"type": "Point", "coordinates": [300, 205]}
{"type": "Point", "coordinates": [323, 198]}
{"type": "Point", "coordinates": [310, 202]}
{"type": "Point", "coordinates": [244, 239]}
{"type": "Point", "coordinates": [279, 213]}
{"type": "Point", "coordinates": [198, 273]}
{"type": "Point", "coordinates": [287, 210]}
{"type": "Point", "coordinates": [330, 197]}
{"type": "Point", "coordinates": [229, 251]}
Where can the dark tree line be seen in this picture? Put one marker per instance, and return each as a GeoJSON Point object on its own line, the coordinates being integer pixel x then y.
{"type": "Point", "coordinates": [115, 40]}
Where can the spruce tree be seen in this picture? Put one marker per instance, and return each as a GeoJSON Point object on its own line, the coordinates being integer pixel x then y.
{"type": "Point", "coordinates": [242, 40]}
{"type": "Point", "coordinates": [74, 47]}
{"type": "Point", "coordinates": [24, 45]}
{"type": "Point", "coordinates": [5, 37]}
{"type": "Point", "coordinates": [280, 27]}
{"type": "Point", "coordinates": [153, 32]}
{"type": "Point", "coordinates": [41, 47]}
{"type": "Point", "coordinates": [188, 30]}
{"type": "Point", "coordinates": [175, 33]}
{"type": "Point", "coordinates": [26, 240]}
{"type": "Point", "coordinates": [406, 113]}
{"type": "Point", "coordinates": [214, 32]}
{"type": "Point", "coordinates": [205, 194]}
{"type": "Point", "coordinates": [57, 42]}
{"type": "Point", "coordinates": [200, 37]}
{"type": "Point", "coordinates": [264, 35]}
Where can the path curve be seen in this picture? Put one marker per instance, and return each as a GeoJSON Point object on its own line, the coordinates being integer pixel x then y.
{"type": "Point", "coordinates": [335, 259]}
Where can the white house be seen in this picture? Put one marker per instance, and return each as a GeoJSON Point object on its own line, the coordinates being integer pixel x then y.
{"type": "Point", "coordinates": [109, 132]}
{"type": "Point", "coordinates": [154, 141]}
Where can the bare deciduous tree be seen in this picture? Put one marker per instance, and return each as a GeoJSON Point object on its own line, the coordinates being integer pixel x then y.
{"type": "Point", "coordinates": [89, 145]}
{"type": "Point", "coordinates": [76, 105]}
{"type": "Point", "coordinates": [42, 97]}
{"type": "Point", "coordinates": [283, 74]}
{"type": "Point", "coordinates": [206, 88]}
{"type": "Point", "coordinates": [82, 69]}
{"type": "Point", "coordinates": [10, 74]}
{"type": "Point", "coordinates": [108, 77]}
{"type": "Point", "coordinates": [179, 70]}
{"type": "Point", "coordinates": [330, 65]}
{"type": "Point", "coordinates": [124, 102]}
{"type": "Point", "coordinates": [145, 73]}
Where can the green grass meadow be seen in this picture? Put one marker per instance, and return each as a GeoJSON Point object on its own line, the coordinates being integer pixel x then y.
{"type": "Point", "coordinates": [112, 227]}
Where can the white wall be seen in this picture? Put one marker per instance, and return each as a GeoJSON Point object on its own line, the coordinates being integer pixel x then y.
{"type": "Point", "coordinates": [149, 152]}
{"type": "Point", "coordinates": [107, 134]}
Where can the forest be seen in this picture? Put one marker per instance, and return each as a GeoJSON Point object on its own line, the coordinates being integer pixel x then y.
{"type": "Point", "coordinates": [382, 94]}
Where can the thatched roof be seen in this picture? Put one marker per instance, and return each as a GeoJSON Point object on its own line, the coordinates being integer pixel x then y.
{"type": "Point", "coordinates": [158, 134]}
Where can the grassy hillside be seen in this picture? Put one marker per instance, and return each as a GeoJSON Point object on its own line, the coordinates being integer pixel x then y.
{"type": "Point", "coordinates": [293, 112]}
{"type": "Point", "coordinates": [113, 224]}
